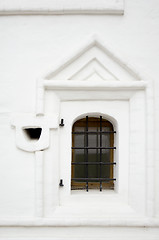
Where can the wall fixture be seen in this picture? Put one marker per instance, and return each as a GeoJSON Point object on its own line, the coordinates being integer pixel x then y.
{"type": "Point", "coordinates": [61, 183]}
{"type": "Point", "coordinates": [61, 123]}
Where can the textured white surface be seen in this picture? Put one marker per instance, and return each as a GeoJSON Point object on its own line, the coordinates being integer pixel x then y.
{"type": "Point", "coordinates": [85, 233]}
{"type": "Point", "coordinates": [62, 7]}
{"type": "Point", "coordinates": [29, 45]}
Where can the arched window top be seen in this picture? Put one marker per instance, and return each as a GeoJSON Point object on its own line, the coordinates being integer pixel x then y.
{"type": "Point", "coordinates": [92, 154]}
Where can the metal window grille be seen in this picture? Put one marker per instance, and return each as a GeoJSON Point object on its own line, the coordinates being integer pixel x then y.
{"type": "Point", "coordinates": [93, 170]}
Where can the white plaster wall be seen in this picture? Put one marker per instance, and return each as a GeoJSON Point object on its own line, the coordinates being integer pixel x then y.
{"type": "Point", "coordinates": [17, 175]}
{"type": "Point", "coordinates": [80, 233]}
{"type": "Point", "coordinates": [29, 45]}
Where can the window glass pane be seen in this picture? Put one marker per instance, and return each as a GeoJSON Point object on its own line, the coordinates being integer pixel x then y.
{"type": "Point", "coordinates": [93, 140]}
{"type": "Point", "coordinates": [106, 140]}
{"type": "Point", "coordinates": [78, 155]}
{"type": "Point", "coordinates": [79, 140]}
{"type": "Point", "coordinates": [105, 171]}
{"type": "Point", "coordinates": [105, 155]}
{"type": "Point", "coordinates": [79, 171]}
{"type": "Point", "coordinates": [79, 128]}
{"type": "Point", "coordinates": [93, 169]}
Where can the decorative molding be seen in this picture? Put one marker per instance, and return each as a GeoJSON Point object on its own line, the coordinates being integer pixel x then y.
{"type": "Point", "coordinates": [15, 7]}
{"type": "Point", "coordinates": [94, 51]}
{"type": "Point", "coordinates": [95, 85]}
{"type": "Point", "coordinates": [92, 57]}
{"type": "Point", "coordinates": [93, 67]}
{"type": "Point", "coordinates": [79, 222]}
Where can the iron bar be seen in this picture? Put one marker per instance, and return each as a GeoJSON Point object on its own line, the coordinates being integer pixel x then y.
{"type": "Point", "coordinates": [93, 147]}
{"type": "Point", "coordinates": [97, 151]}
{"type": "Point", "coordinates": [94, 163]}
{"type": "Point", "coordinates": [94, 179]}
{"type": "Point", "coordinates": [92, 132]}
{"type": "Point", "coordinates": [87, 152]}
{"type": "Point", "coordinates": [100, 152]}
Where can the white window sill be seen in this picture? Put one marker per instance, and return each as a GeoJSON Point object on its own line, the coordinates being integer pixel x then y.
{"type": "Point", "coordinates": [93, 192]}
{"type": "Point", "coordinates": [80, 221]}
{"type": "Point", "coordinates": [95, 203]}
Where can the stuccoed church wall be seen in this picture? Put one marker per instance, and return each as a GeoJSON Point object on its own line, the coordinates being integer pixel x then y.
{"type": "Point", "coordinates": [33, 41]}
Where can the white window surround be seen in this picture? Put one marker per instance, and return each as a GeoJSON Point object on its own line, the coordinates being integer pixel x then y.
{"type": "Point", "coordinates": [91, 108]}
{"type": "Point", "coordinates": [116, 110]}
{"type": "Point", "coordinates": [126, 96]}
{"type": "Point", "coordinates": [62, 7]}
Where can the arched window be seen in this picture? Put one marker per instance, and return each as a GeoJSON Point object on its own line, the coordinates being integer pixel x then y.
{"type": "Point", "coordinates": [92, 154]}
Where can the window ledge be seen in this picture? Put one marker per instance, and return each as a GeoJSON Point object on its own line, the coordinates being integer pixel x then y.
{"type": "Point", "coordinates": [95, 85]}
{"type": "Point", "coordinates": [74, 222]}
{"type": "Point", "coordinates": [61, 7]}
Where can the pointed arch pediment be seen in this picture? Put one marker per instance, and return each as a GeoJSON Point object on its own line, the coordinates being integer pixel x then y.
{"type": "Point", "coordinates": [94, 69]}
{"type": "Point", "coordinates": [93, 61]}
